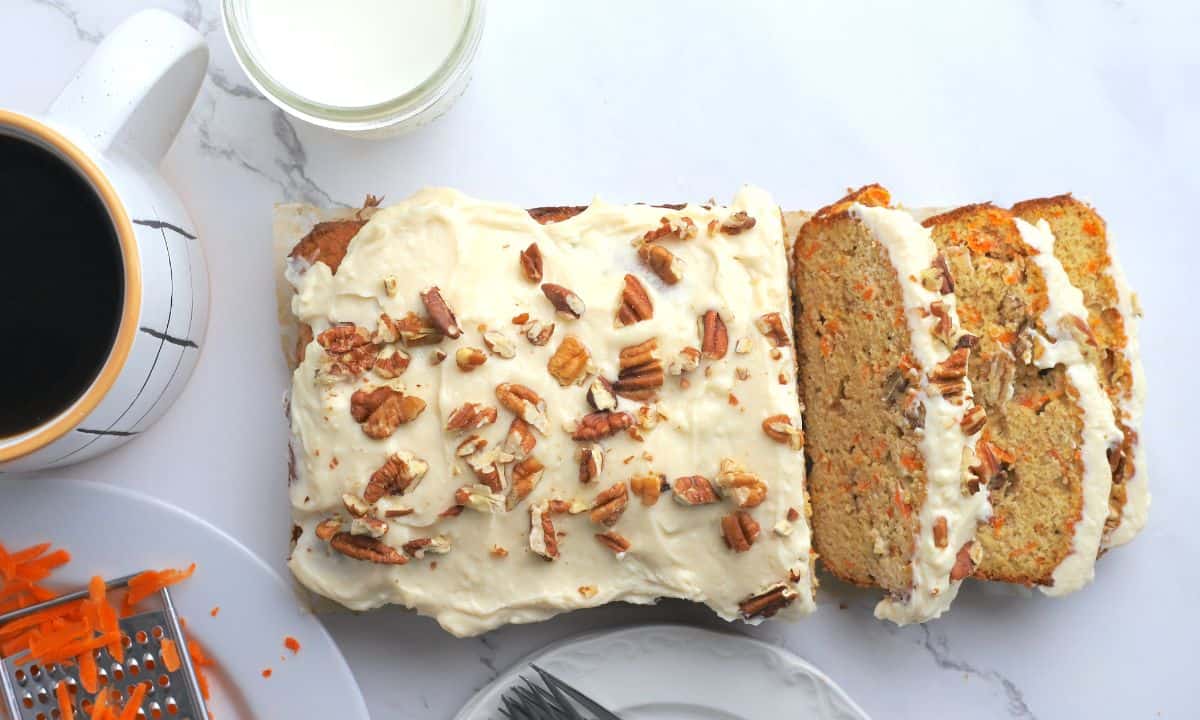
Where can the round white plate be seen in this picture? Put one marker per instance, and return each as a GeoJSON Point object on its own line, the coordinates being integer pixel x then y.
{"type": "Point", "coordinates": [110, 532]}
{"type": "Point", "coordinates": [676, 672]}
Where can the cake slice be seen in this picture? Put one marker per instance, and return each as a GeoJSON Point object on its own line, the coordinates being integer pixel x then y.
{"type": "Point", "coordinates": [1082, 246]}
{"type": "Point", "coordinates": [500, 415]}
{"type": "Point", "coordinates": [889, 415]}
{"type": "Point", "coordinates": [1042, 454]}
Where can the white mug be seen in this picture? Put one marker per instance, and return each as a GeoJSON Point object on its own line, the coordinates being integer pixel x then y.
{"type": "Point", "coordinates": [113, 123]}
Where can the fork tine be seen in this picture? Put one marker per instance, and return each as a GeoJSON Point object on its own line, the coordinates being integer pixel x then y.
{"type": "Point", "coordinates": [558, 685]}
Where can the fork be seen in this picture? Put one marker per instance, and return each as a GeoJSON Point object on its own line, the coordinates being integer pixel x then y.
{"type": "Point", "coordinates": [553, 699]}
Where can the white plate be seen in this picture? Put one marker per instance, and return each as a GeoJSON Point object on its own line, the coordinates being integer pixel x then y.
{"type": "Point", "coordinates": [676, 672]}
{"type": "Point", "coordinates": [110, 531]}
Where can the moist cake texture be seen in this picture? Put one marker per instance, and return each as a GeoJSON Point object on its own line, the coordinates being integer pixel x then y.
{"type": "Point", "coordinates": [497, 419]}
{"type": "Point", "coordinates": [890, 420]}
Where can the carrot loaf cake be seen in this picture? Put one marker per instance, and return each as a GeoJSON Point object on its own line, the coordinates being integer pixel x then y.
{"type": "Point", "coordinates": [1048, 426]}
{"type": "Point", "coordinates": [496, 418]}
{"type": "Point", "coordinates": [1083, 248]}
{"type": "Point", "coordinates": [890, 420]}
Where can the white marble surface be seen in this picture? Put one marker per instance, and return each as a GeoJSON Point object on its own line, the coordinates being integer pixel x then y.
{"type": "Point", "coordinates": [664, 101]}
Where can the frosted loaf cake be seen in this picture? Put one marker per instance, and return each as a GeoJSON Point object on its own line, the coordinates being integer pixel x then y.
{"type": "Point", "coordinates": [498, 418]}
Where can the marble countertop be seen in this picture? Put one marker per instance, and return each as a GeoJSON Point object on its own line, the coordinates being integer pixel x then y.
{"type": "Point", "coordinates": [954, 103]}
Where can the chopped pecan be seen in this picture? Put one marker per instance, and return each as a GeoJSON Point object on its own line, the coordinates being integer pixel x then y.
{"type": "Point", "coordinates": [591, 463]}
{"type": "Point", "coordinates": [610, 504]}
{"type": "Point", "coordinates": [567, 303]}
{"type": "Point", "coordinates": [343, 337]}
{"type": "Point", "coordinates": [365, 402]}
{"type": "Point", "coordinates": [440, 313]}
{"type": "Point", "coordinates": [373, 527]}
{"type": "Point", "coordinates": [543, 539]}
{"type": "Point", "coordinates": [386, 331]}
{"type": "Point", "coordinates": [993, 466]}
{"type": "Point", "coordinates": [600, 394]}
{"type": "Point", "coordinates": [964, 562]}
{"type": "Point", "coordinates": [471, 445]}
{"type": "Point", "coordinates": [569, 361]}
{"type": "Point", "coordinates": [739, 530]}
{"type": "Point", "coordinates": [391, 285]}
{"type": "Point", "coordinates": [391, 362]}
{"type": "Point", "coordinates": [391, 414]}
{"type": "Point", "coordinates": [601, 424]}
{"type": "Point", "coordinates": [945, 281]}
{"type": "Point", "coordinates": [469, 358]}
{"type": "Point", "coordinates": [635, 303]}
{"type": "Point", "coordinates": [327, 528]}
{"type": "Point", "coordinates": [479, 498]}
{"type": "Point", "coordinates": [415, 330]}
{"type": "Point", "coordinates": [486, 466]}
{"type": "Point", "coordinates": [737, 223]}
{"type": "Point", "coordinates": [662, 261]}
{"type": "Point", "coordinates": [365, 547]}
{"type": "Point", "coordinates": [681, 228]}
{"type": "Point", "coordinates": [743, 346]}
{"type": "Point", "coordinates": [499, 344]}
{"type": "Point", "coordinates": [771, 325]}
{"type": "Point", "coordinates": [641, 371]}
{"type": "Point", "coordinates": [401, 472]}
{"type": "Point", "coordinates": [687, 360]}
{"type": "Point", "coordinates": [538, 332]}
{"type": "Point", "coordinates": [943, 327]}
{"type": "Point", "coordinates": [470, 416]}
{"type": "Point", "coordinates": [973, 420]}
{"type": "Point", "coordinates": [768, 602]}
{"type": "Point", "coordinates": [714, 337]}
{"type": "Point", "coordinates": [531, 263]}
{"type": "Point", "coordinates": [356, 506]}
{"type": "Point", "coordinates": [520, 440]}
{"type": "Point", "coordinates": [949, 376]}
{"type": "Point", "coordinates": [781, 429]}
{"type": "Point", "coordinates": [419, 546]}
{"type": "Point", "coordinates": [746, 488]}
{"type": "Point", "coordinates": [1080, 330]}
{"type": "Point", "coordinates": [614, 541]}
{"type": "Point", "coordinates": [648, 487]}
{"type": "Point", "coordinates": [525, 404]}
{"type": "Point", "coordinates": [525, 476]}
{"type": "Point", "coordinates": [940, 531]}
{"type": "Point", "coordinates": [694, 490]}
{"type": "Point", "coordinates": [436, 357]}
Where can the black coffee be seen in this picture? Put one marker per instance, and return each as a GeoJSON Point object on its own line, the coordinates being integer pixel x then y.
{"type": "Point", "coordinates": [61, 285]}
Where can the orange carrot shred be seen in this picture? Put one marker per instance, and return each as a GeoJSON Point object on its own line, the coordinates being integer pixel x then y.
{"type": "Point", "coordinates": [292, 644]}
{"type": "Point", "coordinates": [216, 609]}
{"type": "Point", "coordinates": [146, 584]}
{"type": "Point", "coordinates": [66, 711]}
{"type": "Point", "coordinates": [88, 676]}
{"type": "Point", "coordinates": [170, 655]}
{"type": "Point", "coordinates": [135, 703]}
{"type": "Point", "coordinates": [266, 673]}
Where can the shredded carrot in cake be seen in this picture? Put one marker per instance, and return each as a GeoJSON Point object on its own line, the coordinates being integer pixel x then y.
{"type": "Point", "coordinates": [1091, 227]}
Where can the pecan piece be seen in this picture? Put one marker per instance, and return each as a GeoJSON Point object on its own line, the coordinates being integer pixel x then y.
{"type": "Point", "coordinates": [771, 325]}
{"type": "Point", "coordinates": [367, 548]}
{"type": "Point", "coordinates": [543, 539]}
{"type": "Point", "coordinates": [479, 498]}
{"type": "Point", "coordinates": [949, 376]}
{"type": "Point", "coordinates": [373, 527]}
{"type": "Point", "coordinates": [569, 361]}
{"type": "Point", "coordinates": [343, 337]}
{"type": "Point", "coordinates": [964, 562]}
{"type": "Point", "coordinates": [600, 394]}
{"type": "Point", "coordinates": [714, 341]}
{"type": "Point", "coordinates": [943, 327]}
{"type": "Point", "coordinates": [591, 463]}
{"type": "Point", "coordinates": [641, 371]}
{"type": "Point", "coordinates": [499, 344]}
{"type": "Point", "coordinates": [662, 261]}
{"type": "Point", "coordinates": [520, 440]}
{"type": "Point", "coordinates": [469, 358]}
{"type": "Point", "coordinates": [525, 477]}
{"type": "Point", "coordinates": [415, 330]}
{"type": "Point", "coordinates": [401, 472]}
{"type": "Point", "coordinates": [614, 541]}
{"type": "Point", "coordinates": [470, 416]}
{"type": "Point", "coordinates": [391, 414]}
{"type": "Point", "coordinates": [531, 263]}
{"type": "Point", "coordinates": [737, 223]}
{"type": "Point", "coordinates": [601, 424]}
{"type": "Point", "coordinates": [746, 488]}
{"type": "Point", "coordinates": [365, 402]}
{"type": "Point", "coordinates": [440, 313]}
{"type": "Point", "coordinates": [471, 445]}
{"type": "Point", "coordinates": [781, 429]}
{"type": "Point", "coordinates": [327, 528]}
{"type": "Point", "coordinates": [486, 466]}
{"type": "Point", "coordinates": [419, 546]}
{"type": "Point", "coordinates": [391, 363]}
{"type": "Point", "coordinates": [537, 332]}
{"type": "Point", "coordinates": [739, 530]}
{"type": "Point", "coordinates": [940, 531]}
{"type": "Point", "coordinates": [525, 404]}
{"type": "Point", "coordinates": [686, 361]}
{"type": "Point", "coordinates": [768, 602]}
{"type": "Point", "coordinates": [635, 303]}
{"type": "Point", "coordinates": [681, 228]}
{"type": "Point", "coordinates": [648, 487]}
{"type": "Point", "coordinates": [973, 420]}
{"type": "Point", "coordinates": [694, 490]}
{"type": "Point", "coordinates": [610, 505]}
{"type": "Point", "coordinates": [356, 506]}
{"type": "Point", "coordinates": [567, 303]}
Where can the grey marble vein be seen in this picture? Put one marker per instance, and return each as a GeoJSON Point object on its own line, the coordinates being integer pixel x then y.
{"type": "Point", "coordinates": [938, 647]}
{"type": "Point", "coordinates": [72, 15]}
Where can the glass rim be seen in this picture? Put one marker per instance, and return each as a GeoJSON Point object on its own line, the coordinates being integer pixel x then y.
{"type": "Point", "coordinates": [366, 117]}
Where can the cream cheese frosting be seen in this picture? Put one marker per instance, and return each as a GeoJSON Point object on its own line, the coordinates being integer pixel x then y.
{"type": "Point", "coordinates": [1065, 306]}
{"type": "Point", "coordinates": [946, 448]}
{"type": "Point", "coordinates": [489, 571]}
{"type": "Point", "coordinates": [1137, 489]}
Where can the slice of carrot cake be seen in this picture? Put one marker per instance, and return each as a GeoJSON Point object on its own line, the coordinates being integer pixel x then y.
{"type": "Point", "coordinates": [496, 417]}
{"type": "Point", "coordinates": [1083, 247]}
{"type": "Point", "coordinates": [1042, 453]}
{"type": "Point", "coordinates": [889, 416]}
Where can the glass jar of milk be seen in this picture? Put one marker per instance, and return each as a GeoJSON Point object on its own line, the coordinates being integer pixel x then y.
{"type": "Point", "coordinates": [369, 68]}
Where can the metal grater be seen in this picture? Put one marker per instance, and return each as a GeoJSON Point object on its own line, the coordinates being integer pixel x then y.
{"type": "Point", "coordinates": [27, 692]}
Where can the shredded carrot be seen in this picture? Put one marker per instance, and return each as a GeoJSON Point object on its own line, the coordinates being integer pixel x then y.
{"type": "Point", "coordinates": [88, 676]}
{"type": "Point", "coordinates": [214, 611]}
{"type": "Point", "coordinates": [135, 703]}
{"type": "Point", "coordinates": [292, 644]}
{"type": "Point", "coordinates": [1091, 227]}
{"type": "Point", "coordinates": [65, 710]}
{"type": "Point", "coordinates": [266, 673]}
{"type": "Point", "coordinates": [200, 661]}
{"type": "Point", "coordinates": [170, 655]}
{"type": "Point", "coordinates": [151, 581]}
{"type": "Point", "coordinates": [910, 461]}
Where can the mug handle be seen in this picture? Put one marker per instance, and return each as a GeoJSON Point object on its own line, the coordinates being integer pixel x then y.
{"type": "Point", "coordinates": [137, 87]}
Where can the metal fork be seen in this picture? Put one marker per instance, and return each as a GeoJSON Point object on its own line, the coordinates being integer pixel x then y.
{"type": "Point", "coordinates": [553, 699]}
